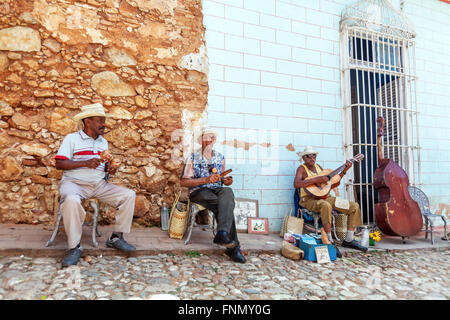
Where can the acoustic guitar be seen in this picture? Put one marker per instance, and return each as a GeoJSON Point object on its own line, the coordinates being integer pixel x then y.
{"type": "Point", "coordinates": [321, 190]}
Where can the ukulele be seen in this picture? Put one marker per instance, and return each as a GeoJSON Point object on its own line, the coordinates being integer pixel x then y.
{"type": "Point", "coordinates": [321, 190]}
{"type": "Point", "coordinates": [222, 175]}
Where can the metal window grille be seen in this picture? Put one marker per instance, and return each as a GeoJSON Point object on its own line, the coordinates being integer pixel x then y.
{"type": "Point", "coordinates": [378, 79]}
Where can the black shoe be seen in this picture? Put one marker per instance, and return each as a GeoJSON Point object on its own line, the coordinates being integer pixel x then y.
{"type": "Point", "coordinates": [72, 257]}
{"type": "Point", "coordinates": [222, 238]}
{"type": "Point", "coordinates": [236, 255]}
{"type": "Point", "coordinates": [338, 253]}
{"type": "Point", "coordinates": [119, 243]}
{"type": "Point", "coordinates": [354, 245]}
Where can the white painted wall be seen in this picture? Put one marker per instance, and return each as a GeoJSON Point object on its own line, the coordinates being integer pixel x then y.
{"type": "Point", "coordinates": [274, 79]}
{"type": "Point", "coordinates": [431, 19]}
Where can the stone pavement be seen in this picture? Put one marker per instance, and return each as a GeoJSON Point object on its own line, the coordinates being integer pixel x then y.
{"type": "Point", "coordinates": [200, 270]}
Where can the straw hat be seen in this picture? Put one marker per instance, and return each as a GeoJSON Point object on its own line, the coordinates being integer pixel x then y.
{"type": "Point", "coordinates": [91, 110]}
{"type": "Point", "coordinates": [308, 150]}
{"type": "Point", "coordinates": [210, 131]}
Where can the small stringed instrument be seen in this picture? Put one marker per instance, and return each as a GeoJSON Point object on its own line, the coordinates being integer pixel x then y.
{"type": "Point", "coordinates": [321, 190]}
{"type": "Point", "coordinates": [223, 174]}
{"type": "Point", "coordinates": [396, 213]}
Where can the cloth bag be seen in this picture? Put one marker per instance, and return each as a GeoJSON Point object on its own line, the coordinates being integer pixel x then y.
{"type": "Point", "coordinates": [290, 251]}
{"type": "Point", "coordinates": [178, 220]}
{"type": "Point", "coordinates": [291, 223]}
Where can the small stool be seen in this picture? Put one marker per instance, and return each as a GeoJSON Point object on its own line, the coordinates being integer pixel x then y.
{"type": "Point", "coordinates": [195, 208]}
{"type": "Point", "coordinates": [96, 206]}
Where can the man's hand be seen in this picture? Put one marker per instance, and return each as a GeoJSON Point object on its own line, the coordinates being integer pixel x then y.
{"type": "Point", "coordinates": [227, 181]}
{"type": "Point", "coordinates": [348, 165]}
{"type": "Point", "coordinates": [111, 170]}
{"type": "Point", "coordinates": [213, 178]}
{"type": "Point", "coordinates": [92, 163]}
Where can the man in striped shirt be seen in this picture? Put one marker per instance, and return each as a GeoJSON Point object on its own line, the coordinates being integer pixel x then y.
{"type": "Point", "coordinates": [84, 178]}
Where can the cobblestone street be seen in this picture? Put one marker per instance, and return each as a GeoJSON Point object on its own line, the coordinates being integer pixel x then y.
{"type": "Point", "coordinates": [412, 274]}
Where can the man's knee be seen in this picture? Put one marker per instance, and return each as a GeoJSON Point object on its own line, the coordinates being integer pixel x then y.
{"type": "Point", "coordinates": [227, 193]}
{"type": "Point", "coordinates": [68, 199]}
{"type": "Point", "coordinates": [354, 208]}
{"type": "Point", "coordinates": [131, 194]}
{"type": "Point", "coordinates": [325, 206]}
{"type": "Point", "coordinates": [126, 193]}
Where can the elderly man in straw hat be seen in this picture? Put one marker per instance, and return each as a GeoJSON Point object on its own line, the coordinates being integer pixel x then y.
{"type": "Point", "coordinates": [206, 187]}
{"type": "Point", "coordinates": [325, 206]}
{"type": "Point", "coordinates": [84, 177]}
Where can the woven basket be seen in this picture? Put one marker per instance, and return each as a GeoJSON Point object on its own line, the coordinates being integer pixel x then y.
{"type": "Point", "coordinates": [341, 226]}
{"type": "Point", "coordinates": [178, 218]}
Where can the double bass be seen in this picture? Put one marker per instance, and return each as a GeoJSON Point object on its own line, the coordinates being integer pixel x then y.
{"type": "Point", "coordinates": [396, 213]}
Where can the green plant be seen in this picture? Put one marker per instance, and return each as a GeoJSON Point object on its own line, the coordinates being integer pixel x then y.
{"type": "Point", "coordinates": [192, 254]}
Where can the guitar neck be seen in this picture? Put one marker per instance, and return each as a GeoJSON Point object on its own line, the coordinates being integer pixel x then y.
{"type": "Point", "coordinates": [338, 170]}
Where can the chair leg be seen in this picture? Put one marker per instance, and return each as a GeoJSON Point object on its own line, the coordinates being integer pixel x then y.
{"type": "Point", "coordinates": [316, 223]}
{"type": "Point", "coordinates": [213, 223]}
{"type": "Point", "coordinates": [55, 231]}
{"type": "Point", "coordinates": [334, 229]}
{"type": "Point", "coordinates": [192, 212]}
{"type": "Point", "coordinates": [94, 204]}
{"type": "Point", "coordinates": [445, 228]}
{"type": "Point", "coordinates": [431, 231]}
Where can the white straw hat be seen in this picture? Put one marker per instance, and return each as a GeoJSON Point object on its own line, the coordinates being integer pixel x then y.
{"type": "Point", "coordinates": [210, 130]}
{"type": "Point", "coordinates": [308, 150]}
{"type": "Point", "coordinates": [91, 110]}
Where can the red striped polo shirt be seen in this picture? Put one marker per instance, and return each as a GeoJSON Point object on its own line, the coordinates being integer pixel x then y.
{"type": "Point", "coordinates": [78, 146]}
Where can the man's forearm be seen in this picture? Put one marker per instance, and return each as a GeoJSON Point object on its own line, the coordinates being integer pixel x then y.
{"type": "Point", "coordinates": [190, 183]}
{"type": "Point", "coordinates": [305, 183]}
{"type": "Point", "coordinates": [69, 164]}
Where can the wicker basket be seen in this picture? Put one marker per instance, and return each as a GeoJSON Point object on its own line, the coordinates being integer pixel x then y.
{"type": "Point", "coordinates": [341, 226]}
{"type": "Point", "coordinates": [178, 218]}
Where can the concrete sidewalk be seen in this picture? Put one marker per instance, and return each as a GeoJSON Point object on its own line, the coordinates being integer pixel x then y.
{"type": "Point", "coordinates": [30, 240]}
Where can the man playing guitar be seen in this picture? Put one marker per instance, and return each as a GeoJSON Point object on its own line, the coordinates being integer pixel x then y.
{"type": "Point", "coordinates": [325, 206]}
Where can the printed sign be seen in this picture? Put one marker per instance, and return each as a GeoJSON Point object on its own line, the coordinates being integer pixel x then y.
{"type": "Point", "coordinates": [322, 254]}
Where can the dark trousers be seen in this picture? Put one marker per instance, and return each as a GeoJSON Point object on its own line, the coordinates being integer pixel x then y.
{"type": "Point", "coordinates": [221, 202]}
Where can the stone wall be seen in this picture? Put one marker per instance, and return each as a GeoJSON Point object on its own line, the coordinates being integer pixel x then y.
{"type": "Point", "coordinates": [144, 60]}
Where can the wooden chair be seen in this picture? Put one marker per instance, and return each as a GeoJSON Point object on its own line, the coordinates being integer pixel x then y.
{"type": "Point", "coordinates": [424, 204]}
{"type": "Point", "coordinates": [194, 209]}
{"type": "Point", "coordinates": [96, 206]}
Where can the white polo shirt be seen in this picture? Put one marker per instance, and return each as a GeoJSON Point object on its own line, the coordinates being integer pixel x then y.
{"type": "Point", "coordinates": [78, 146]}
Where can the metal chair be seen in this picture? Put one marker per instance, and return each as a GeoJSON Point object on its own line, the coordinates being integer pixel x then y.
{"type": "Point", "coordinates": [96, 206]}
{"type": "Point", "coordinates": [316, 226]}
{"type": "Point", "coordinates": [195, 208]}
{"type": "Point", "coordinates": [316, 216]}
{"type": "Point", "coordinates": [424, 204]}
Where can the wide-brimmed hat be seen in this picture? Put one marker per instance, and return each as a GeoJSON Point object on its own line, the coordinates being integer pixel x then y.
{"type": "Point", "coordinates": [91, 110]}
{"type": "Point", "coordinates": [208, 130]}
{"type": "Point", "coordinates": [308, 150]}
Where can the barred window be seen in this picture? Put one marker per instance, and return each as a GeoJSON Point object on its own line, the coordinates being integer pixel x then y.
{"type": "Point", "coordinates": [378, 79]}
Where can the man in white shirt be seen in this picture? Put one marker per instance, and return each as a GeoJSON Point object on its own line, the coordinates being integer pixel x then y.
{"type": "Point", "coordinates": [84, 177]}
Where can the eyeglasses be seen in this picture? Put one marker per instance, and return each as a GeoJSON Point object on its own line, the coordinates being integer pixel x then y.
{"type": "Point", "coordinates": [312, 156]}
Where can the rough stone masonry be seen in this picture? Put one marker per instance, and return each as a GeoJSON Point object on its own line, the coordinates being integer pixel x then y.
{"type": "Point", "coordinates": [144, 60]}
